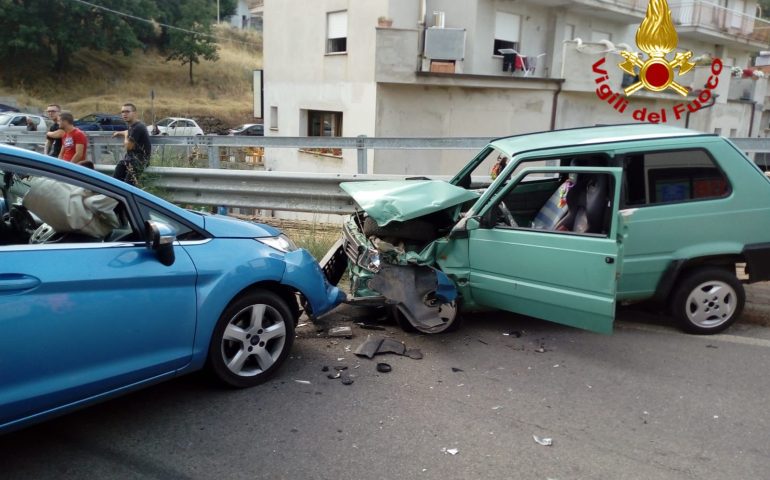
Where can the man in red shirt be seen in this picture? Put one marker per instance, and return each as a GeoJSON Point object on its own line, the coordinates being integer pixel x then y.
{"type": "Point", "coordinates": [74, 143]}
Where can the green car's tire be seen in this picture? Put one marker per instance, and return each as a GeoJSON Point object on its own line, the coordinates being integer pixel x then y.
{"type": "Point", "coordinates": [708, 300]}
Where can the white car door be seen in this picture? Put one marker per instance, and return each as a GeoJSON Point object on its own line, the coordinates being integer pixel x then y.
{"type": "Point", "coordinates": [18, 124]}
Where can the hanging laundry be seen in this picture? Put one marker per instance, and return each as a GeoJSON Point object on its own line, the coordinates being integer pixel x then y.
{"type": "Point", "coordinates": [508, 61]}
{"type": "Point", "coordinates": [518, 63]}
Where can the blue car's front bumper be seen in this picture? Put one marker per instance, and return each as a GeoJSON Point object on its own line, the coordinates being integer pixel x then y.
{"type": "Point", "coordinates": [304, 274]}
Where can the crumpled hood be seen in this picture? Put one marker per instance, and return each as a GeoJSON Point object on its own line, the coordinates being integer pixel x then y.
{"type": "Point", "coordinates": [401, 200]}
{"type": "Point", "coordinates": [227, 227]}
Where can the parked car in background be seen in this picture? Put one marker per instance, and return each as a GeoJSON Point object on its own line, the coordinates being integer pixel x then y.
{"type": "Point", "coordinates": [252, 129]}
{"type": "Point", "coordinates": [7, 108]}
{"type": "Point", "coordinates": [17, 122]}
{"type": "Point", "coordinates": [105, 288]}
{"type": "Point", "coordinates": [101, 122]}
{"type": "Point", "coordinates": [175, 126]}
{"type": "Point", "coordinates": [577, 221]}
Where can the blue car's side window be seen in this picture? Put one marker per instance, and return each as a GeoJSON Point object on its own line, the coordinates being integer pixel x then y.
{"type": "Point", "coordinates": [44, 210]}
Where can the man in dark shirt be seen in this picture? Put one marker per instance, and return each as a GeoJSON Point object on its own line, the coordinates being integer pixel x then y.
{"type": "Point", "coordinates": [55, 133]}
{"type": "Point", "coordinates": [138, 148]}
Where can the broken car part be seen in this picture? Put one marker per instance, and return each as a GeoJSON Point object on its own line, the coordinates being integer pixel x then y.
{"type": "Point", "coordinates": [375, 345]}
{"type": "Point", "coordinates": [343, 332]}
{"type": "Point", "coordinates": [424, 295]}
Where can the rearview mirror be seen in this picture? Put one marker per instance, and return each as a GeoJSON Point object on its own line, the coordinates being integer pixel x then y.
{"type": "Point", "coordinates": [160, 239]}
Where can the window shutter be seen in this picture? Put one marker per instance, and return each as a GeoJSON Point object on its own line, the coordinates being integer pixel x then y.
{"type": "Point", "coordinates": [507, 27]}
{"type": "Point", "coordinates": [337, 25]}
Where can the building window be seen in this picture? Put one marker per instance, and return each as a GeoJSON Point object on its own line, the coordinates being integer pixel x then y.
{"type": "Point", "coordinates": [324, 124]}
{"type": "Point", "coordinates": [507, 32]}
{"type": "Point", "coordinates": [569, 31]}
{"type": "Point", "coordinates": [337, 32]}
{"type": "Point", "coordinates": [597, 36]}
{"type": "Point", "coordinates": [273, 118]}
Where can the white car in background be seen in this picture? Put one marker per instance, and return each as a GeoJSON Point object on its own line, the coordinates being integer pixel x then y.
{"type": "Point", "coordinates": [175, 126]}
{"type": "Point", "coordinates": [17, 122]}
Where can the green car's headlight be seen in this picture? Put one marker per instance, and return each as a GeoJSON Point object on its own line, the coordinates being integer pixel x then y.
{"type": "Point", "coordinates": [281, 243]}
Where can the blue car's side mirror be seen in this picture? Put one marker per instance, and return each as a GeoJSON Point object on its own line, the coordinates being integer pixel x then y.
{"type": "Point", "coordinates": [160, 238]}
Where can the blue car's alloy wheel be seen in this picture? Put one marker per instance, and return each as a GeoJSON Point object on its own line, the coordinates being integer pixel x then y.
{"type": "Point", "coordinates": [252, 338]}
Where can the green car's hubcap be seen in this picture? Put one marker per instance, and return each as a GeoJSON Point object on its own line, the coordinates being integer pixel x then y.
{"type": "Point", "coordinates": [711, 304]}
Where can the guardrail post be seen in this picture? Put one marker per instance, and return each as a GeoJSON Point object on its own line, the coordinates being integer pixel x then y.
{"type": "Point", "coordinates": [92, 149]}
{"type": "Point", "coordinates": [361, 149]}
{"type": "Point", "coordinates": [213, 156]}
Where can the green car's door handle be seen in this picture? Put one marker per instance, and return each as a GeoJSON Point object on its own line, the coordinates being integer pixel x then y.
{"type": "Point", "coordinates": [609, 260]}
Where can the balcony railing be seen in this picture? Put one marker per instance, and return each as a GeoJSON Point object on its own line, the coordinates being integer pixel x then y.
{"type": "Point", "coordinates": [722, 20]}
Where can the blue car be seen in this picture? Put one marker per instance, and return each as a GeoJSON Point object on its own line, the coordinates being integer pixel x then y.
{"type": "Point", "coordinates": [101, 122]}
{"type": "Point", "coordinates": [105, 289]}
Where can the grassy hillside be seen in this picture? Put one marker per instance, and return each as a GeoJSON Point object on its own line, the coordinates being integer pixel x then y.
{"type": "Point", "coordinates": [100, 82]}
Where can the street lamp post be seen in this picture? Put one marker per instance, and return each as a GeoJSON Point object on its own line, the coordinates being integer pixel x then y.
{"type": "Point", "coordinates": [217, 11]}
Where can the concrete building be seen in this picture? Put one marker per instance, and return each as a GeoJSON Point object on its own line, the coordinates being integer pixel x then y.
{"type": "Point", "coordinates": [435, 68]}
{"type": "Point", "coordinates": [248, 14]}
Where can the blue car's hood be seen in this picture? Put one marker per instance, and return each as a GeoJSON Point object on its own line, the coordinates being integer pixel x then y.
{"type": "Point", "coordinates": [221, 226]}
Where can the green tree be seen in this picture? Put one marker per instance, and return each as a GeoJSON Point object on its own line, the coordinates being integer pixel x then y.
{"type": "Point", "coordinates": [765, 7]}
{"type": "Point", "coordinates": [189, 48]}
{"type": "Point", "coordinates": [52, 31]}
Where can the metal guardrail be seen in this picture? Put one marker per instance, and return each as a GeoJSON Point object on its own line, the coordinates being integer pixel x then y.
{"type": "Point", "coordinates": [213, 143]}
{"type": "Point", "coordinates": [282, 191]}
{"type": "Point", "coordinates": [285, 191]}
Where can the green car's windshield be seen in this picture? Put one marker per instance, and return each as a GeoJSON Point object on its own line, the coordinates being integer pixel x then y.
{"type": "Point", "coordinates": [482, 169]}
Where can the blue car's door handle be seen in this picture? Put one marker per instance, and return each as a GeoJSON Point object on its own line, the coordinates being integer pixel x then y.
{"type": "Point", "coordinates": [10, 283]}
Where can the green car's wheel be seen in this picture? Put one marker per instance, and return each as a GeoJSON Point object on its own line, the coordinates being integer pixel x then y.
{"type": "Point", "coordinates": [708, 300]}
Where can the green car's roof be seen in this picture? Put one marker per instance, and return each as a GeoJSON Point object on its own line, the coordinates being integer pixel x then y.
{"type": "Point", "coordinates": [589, 135]}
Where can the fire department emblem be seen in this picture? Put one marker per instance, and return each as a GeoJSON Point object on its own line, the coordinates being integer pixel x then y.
{"type": "Point", "coordinates": [657, 38]}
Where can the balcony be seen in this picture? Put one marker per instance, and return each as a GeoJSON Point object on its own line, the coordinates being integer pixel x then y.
{"type": "Point", "coordinates": [628, 11]}
{"type": "Point", "coordinates": [708, 22]}
{"type": "Point", "coordinates": [398, 61]}
{"type": "Point", "coordinates": [577, 71]}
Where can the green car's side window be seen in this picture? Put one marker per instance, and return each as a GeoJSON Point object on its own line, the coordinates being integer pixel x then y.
{"type": "Point", "coordinates": [568, 202]}
{"type": "Point", "coordinates": [672, 176]}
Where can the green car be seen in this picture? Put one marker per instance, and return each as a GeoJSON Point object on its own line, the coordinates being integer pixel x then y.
{"type": "Point", "coordinates": [573, 222]}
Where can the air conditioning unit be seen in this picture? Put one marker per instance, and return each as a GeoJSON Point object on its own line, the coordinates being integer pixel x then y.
{"type": "Point", "coordinates": [445, 46]}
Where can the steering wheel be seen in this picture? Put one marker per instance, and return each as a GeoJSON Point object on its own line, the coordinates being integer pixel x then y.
{"type": "Point", "coordinates": [21, 220]}
{"type": "Point", "coordinates": [507, 217]}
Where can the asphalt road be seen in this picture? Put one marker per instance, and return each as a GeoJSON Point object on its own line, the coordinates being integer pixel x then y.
{"type": "Point", "coordinates": [644, 403]}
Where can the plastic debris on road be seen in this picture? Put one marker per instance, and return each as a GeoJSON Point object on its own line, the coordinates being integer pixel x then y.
{"type": "Point", "coordinates": [303, 382]}
{"type": "Point", "coordinates": [455, 369]}
{"type": "Point", "coordinates": [544, 441]}
{"type": "Point", "coordinates": [450, 451]}
{"type": "Point", "coordinates": [346, 379]}
{"type": "Point", "coordinates": [376, 345]}
{"type": "Point", "coordinates": [369, 326]}
{"type": "Point", "coordinates": [384, 367]}
{"type": "Point", "coordinates": [341, 332]}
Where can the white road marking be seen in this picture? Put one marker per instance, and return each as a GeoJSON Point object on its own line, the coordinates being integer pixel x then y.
{"type": "Point", "coordinates": [720, 337]}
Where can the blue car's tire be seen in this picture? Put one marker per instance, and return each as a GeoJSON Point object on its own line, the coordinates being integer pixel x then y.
{"type": "Point", "coordinates": [252, 339]}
